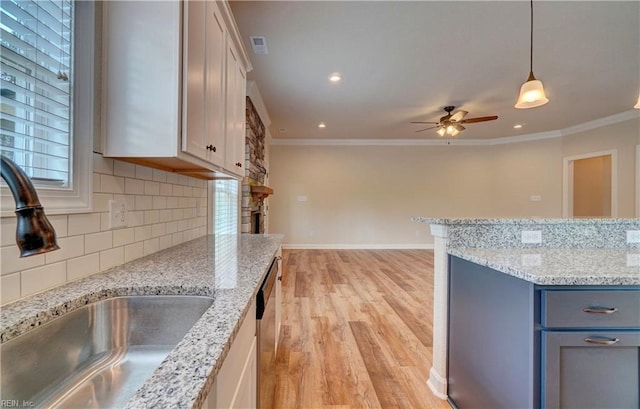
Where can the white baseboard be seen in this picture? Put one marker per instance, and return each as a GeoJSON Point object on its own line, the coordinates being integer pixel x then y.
{"type": "Point", "coordinates": [420, 246]}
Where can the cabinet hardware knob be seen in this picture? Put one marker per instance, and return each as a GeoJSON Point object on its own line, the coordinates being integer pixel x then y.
{"type": "Point", "coordinates": [599, 310]}
{"type": "Point", "coordinates": [211, 148]}
{"type": "Point", "coordinates": [605, 341]}
{"type": "Point", "coordinates": [279, 278]}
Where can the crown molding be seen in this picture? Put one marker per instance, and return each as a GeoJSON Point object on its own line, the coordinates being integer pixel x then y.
{"type": "Point", "coordinates": [586, 126]}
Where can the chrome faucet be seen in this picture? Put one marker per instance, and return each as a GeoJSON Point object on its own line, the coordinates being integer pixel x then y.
{"type": "Point", "coordinates": [34, 232]}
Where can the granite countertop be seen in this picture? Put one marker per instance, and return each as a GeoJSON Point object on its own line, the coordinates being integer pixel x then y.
{"type": "Point", "coordinates": [475, 221]}
{"type": "Point", "coordinates": [559, 266]}
{"type": "Point", "coordinates": [227, 268]}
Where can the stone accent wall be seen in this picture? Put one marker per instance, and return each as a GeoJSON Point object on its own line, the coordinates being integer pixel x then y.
{"type": "Point", "coordinates": [255, 169]}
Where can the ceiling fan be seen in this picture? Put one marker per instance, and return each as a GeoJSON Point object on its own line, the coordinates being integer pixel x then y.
{"type": "Point", "coordinates": [452, 124]}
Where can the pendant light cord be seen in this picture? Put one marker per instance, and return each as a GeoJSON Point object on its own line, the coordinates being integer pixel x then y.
{"type": "Point", "coordinates": [531, 48]}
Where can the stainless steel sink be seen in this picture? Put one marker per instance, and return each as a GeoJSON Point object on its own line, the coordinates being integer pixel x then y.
{"type": "Point", "coordinates": [96, 356]}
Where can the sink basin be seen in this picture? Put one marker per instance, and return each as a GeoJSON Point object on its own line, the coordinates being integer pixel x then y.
{"type": "Point", "coordinates": [97, 356]}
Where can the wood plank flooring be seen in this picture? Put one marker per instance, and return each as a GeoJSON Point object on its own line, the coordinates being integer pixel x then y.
{"type": "Point", "coordinates": [356, 330]}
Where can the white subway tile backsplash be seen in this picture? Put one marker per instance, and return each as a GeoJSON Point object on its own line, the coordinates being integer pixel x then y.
{"type": "Point", "coordinates": [144, 202]}
{"type": "Point", "coordinates": [159, 175]}
{"type": "Point", "coordinates": [142, 233]}
{"type": "Point", "coordinates": [10, 260]}
{"type": "Point", "coordinates": [133, 251]}
{"type": "Point", "coordinates": [70, 247]}
{"type": "Point", "coordinates": [144, 173]}
{"type": "Point", "coordinates": [151, 216]}
{"type": "Point", "coordinates": [42, 278]}
{"type": "Point", "coordinates": [111, 184]}
{"type": "Point", "coordinates": [165, 242]}
{"type": "Point", "coordinates": [101, 201]}
{"type": "Point", "coordinates": [60, 224]}
{"type": "Point", "coordinates": [159, 202]}
{"type": "Point", "coordinates": [158, 230]}
{"type": "Point", "coordinates": [136, 218]}
{"type": "Point", "coordinates": [8, 231]}
{"type": "Point", "coordinates": [83, 223]}
{"type": "Point", "coordinates": [160, 206]}
{"type": "Point", "coordinates": [125, 169]}
{"type": "Point", "coordinates": [166, 189]}
{"type": "Point", "coordinates": [123, 236]}
{"type": "Point", "coordinates": [111, 258]}
{"type": "Point", "coordinates": [172, 178]}
{"type": "Point", "coordinates": [9, 288]}
{"type": "Point", "coordinates": [133, 186]}
{"type": "Point", "coordinates": [83, 266]}
{"type": "Point", "coordinates": [165, 215]}
{"type": "Point", "coordinates": [98, 241]}
{"type": "Point", "coordinates": [151, 188]}
{"type": "Point", "coordinates": [151, 246]}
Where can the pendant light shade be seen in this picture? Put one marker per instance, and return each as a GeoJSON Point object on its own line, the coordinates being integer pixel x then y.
{"type": "Point", "coordinates": [531, 94]}
{"type": "Point", "coordinates": [637, 105]}
{"type": "Point", "coordinates": [532, 91]}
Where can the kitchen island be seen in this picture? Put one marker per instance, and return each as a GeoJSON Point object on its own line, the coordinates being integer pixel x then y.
{"type": "Point", "coordinates": [227, 268]}
{"type": "Point", "coordinates": [537, 256]}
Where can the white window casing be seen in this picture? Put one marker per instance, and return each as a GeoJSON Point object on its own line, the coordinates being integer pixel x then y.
{"type": "Point", "coordinates": [48, 60]}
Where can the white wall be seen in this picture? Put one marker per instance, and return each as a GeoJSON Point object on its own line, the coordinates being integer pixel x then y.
{"type": "Point", "coordinates": [165, 209]}
{"type": "Point", "coordinates": [364, 196]}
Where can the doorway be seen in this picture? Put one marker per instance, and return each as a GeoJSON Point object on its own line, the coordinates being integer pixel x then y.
{"type": "Point", "coordinates": [590, 185]}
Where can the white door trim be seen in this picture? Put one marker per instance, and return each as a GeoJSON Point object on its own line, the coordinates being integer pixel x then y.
{"type": "Point", "coordinates": [567, 180]}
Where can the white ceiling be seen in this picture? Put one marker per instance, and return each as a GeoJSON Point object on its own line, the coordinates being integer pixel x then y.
{"type": "Point", "coordinates": [403, 61]}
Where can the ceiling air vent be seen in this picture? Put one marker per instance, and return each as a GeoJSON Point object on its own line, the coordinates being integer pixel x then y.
{"type": "Point", "coordinates": [259, 44]}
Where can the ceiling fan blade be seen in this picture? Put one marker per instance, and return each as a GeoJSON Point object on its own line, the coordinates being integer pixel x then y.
{"type": "Point", "coordinates": [479, 119]}
{"type": "Point", "coordinates": [435, 123]}
{"type": "Point", "coordinates": [457, 117]}
{"type": "Point", "coordinates": [425, 129]}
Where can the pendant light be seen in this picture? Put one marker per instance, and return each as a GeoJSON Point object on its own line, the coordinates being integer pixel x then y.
{"type": "Point", "coordinates": [532, 91]}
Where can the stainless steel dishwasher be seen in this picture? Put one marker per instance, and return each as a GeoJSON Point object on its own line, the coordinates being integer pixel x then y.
{"type": "Point", "coordinates": [266, 335]}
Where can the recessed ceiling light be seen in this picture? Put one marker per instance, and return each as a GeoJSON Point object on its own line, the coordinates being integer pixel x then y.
{"type": "Point", "coordinates": [517, 126]}
{"type": "Point", "coordinates": [335, 77]}
{"type": "Point", "coordinates": [322, 125]}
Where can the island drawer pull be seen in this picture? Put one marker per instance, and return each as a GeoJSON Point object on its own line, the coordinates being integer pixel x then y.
{"type": "Point", "coordinates": [600, 310]}
{"type": "Point", "coordinates": [609, 341]}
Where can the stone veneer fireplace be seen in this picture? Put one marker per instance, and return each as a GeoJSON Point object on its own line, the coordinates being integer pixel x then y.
{"type": "Point", "coordinates": [254, 191]}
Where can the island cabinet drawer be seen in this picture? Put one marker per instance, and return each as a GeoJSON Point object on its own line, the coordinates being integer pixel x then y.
{"type": "Point", "coordinates": [590, 309]}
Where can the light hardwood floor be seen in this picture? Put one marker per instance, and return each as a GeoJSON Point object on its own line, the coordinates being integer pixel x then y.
{"type": "Point", "coordinates": [356, 330]}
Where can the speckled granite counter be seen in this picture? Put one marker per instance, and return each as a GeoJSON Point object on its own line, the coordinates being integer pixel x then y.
{"type": "Point", "coordinates": [560, 266]}
{"type": "Point", "coordinates": [227, 268]}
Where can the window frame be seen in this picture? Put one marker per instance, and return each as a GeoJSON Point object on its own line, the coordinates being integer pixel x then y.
{"type": "Point", "coordinates": [77, 198]}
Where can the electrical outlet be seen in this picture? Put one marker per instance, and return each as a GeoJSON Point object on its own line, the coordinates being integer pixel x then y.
{"type": "Point", "coordinates": [117, 214]}
{"type": "Point", "coordinates": [531, 236]}
{"type": "Point", "coordinates": [302, 198]}
{"type": "Point", "coordinates": [633, 236]}
{"type": "Point", "coordinates": [535, 198]}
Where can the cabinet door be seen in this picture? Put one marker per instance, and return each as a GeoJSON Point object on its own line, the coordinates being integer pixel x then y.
{"type": "Point", "coordinates": [236, 90]}
{"type": "Point", "coordinates": [214, 114]}
{"type": "Point", "coordinates": [591, 369]}
{"type": "Point", "coordinates": [194, 139]}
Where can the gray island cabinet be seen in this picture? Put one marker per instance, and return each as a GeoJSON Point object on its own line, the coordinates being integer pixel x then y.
{"type": "Point", "coordinates": [536, 313]}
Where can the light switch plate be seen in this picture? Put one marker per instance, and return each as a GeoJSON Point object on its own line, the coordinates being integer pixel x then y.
{"type": "Point", "coordinates": [117, 214]}
{"type": "Point", "coordinates": [302, 198]}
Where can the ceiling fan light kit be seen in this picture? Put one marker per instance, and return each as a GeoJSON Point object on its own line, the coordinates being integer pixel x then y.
{"type": "Point", "coordinates": [532, 91]}
{"type": "Point", "coordinates": [451, 124]}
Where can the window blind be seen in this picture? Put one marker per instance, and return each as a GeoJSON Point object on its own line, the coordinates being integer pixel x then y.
{"type": "Point", "coordinates": [226, 207]}
{"type": "Point", "coordinates": [36, 88]}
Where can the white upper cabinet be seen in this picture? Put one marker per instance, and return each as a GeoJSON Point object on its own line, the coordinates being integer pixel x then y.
{"type": "Point", "coordinates": [166, 85]}
{"type": "Point", "coordinates": [236, 116]}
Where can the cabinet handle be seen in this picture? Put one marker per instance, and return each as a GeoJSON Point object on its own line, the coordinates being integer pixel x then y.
{"type": "Point", "coordinates": [279, 278]}
{"type": "Point", "coordinates": [599, 310]}
{"type": "Point", "coordinates": [604, 341]}
{"type": "Point", "coordinates": [211, 148]}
